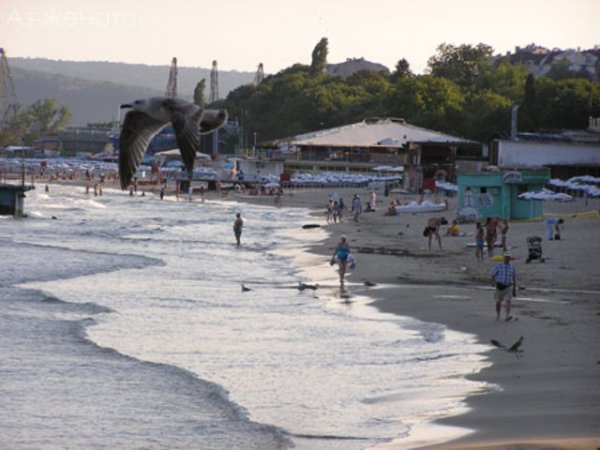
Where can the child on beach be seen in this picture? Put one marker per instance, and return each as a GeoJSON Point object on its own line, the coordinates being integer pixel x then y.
{"type": "Point", "coordinates": [503, 232]}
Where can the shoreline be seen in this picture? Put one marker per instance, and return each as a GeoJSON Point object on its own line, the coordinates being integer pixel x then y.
{"type": "Point", "coordinates": [550, 397]}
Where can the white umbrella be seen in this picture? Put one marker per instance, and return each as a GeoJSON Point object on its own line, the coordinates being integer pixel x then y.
{"type": "Point", "coordinates": [545, 194]}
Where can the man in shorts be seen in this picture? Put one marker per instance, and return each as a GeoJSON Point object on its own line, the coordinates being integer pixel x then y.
{"type": "Point", "coordinates": [504, 279]}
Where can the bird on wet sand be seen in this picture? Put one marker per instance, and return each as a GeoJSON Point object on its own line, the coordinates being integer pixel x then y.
{"type": "Point", "coordinates": [302, 286]}
{"type": "Point", "coordinates": [245, 289]}
{"type": "Point", "coordinates": [514, 348]}
{"type": "Point", "coordinates": [368, 283]}
{"type": "Point", "coordinates": [147, 117]}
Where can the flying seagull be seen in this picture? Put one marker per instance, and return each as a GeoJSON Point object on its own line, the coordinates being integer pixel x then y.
{"type": "Point", "coordinates": [497, 343]}
{"type": "Point", "coordinates": [516, 347]}
{"type": "Point", "coordinates": [147, 117]}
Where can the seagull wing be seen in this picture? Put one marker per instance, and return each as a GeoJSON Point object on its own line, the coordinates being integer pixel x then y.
{"type": "Point", "coordinates": [186, 123]}
{"type": "Point", "coordinates": [137, 132]}
{"type": "Point", "coordinates": [516, 346]}
{"type": "Point", "coordinates": [497, 343]}
{"type": "Point", "coordinates": [212, 119]}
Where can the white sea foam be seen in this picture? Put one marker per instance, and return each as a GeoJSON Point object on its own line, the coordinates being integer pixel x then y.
{"type": "Point", "coordinates": [331, 374]}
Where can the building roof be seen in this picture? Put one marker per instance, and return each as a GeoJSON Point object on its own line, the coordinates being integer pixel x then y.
{"type": "Point", "coordinates": [383, 132]}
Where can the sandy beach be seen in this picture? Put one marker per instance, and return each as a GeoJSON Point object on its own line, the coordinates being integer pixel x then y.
{"type": "Point", "coordinates": [547, 399]}
{"type": "Point", "coordinates": [550, 397]}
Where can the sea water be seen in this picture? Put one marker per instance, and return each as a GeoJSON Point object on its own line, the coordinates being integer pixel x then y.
{"type": "Point", "coordinates": [124, 325]}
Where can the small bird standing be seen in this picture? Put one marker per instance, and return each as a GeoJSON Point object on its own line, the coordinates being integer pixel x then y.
{"type": "Point", "coordinates": [149, 116]}
{"type": "Point", "coordinates": [302, 286]}
{"type": "Point", "coordinates": [245, 289]}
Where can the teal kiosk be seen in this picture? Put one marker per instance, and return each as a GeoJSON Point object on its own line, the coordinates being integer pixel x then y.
{"type": "Point", "coordinates": [496, 194]}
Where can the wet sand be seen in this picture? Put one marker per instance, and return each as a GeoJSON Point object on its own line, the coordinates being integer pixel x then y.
{"type": "Point", "coordinates": [549, 397]}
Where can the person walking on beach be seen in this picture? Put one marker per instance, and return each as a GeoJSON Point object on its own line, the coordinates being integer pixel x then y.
{"type": "Point", "coordinates": [490, 236]}
{"type": "Point", "coordinates": [341, 255]}
{"type": "Point", "coordinates": [433, 228]}
{"type": "Point", "coordinates": [504, 279]}
{"type": "Point", "coordinates": [503, 234]}
{"type": "Point", "coordinates": [356, 207]}
{"type": "Point", "coordinates": [237, 228]}
{"type": "Point", "coordinates": [552, 225]}
{"type": "Point", "coordinates": [479, 238]}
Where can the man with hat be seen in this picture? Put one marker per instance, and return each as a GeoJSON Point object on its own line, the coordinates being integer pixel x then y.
{"type": "Point", "coordinates": [504, 278]}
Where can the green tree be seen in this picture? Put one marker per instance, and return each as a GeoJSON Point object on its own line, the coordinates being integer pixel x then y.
{"type": "Point", "coordinates": [566, 104]}
{"type": "Point", "coordinates": [402, 70]}
{"type": "Point", "coordinates": [486, 114]}
{"type": "Point", "coordinates": [46, 117]}
{"type": "Point", "coordinates": [528, 115]}
{"type": "Point", "coordinates": [462, 64]}
{"type": "Point", "coordinates": [199, 98]}
{"type": "Point", "coordinates": [504, 79]}
{"type": "Point", "coordinates": [427, 101]}
{"type": "Point", "coordinates": [319, 57]}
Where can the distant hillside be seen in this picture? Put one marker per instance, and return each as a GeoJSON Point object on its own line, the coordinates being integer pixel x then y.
{"type": "Point", "coordinates": [139, 75]}
{"type": "Point", "coordinates": [89, 101]}
{"type": "Point", "coordinates": [93, 90]}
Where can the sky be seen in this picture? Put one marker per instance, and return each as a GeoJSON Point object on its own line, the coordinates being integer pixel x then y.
{"type": "Point", "coordinates": [240, 34]}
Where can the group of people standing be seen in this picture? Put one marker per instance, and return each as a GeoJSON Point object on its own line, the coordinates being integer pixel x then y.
{"type": "Point", "coordinates": [487, 235]}
{"type": "Point", "coordinates": [336, 208]}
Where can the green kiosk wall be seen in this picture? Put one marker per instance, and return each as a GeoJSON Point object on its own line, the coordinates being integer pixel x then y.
{"type": "Point", "coordinates": [495, 194]}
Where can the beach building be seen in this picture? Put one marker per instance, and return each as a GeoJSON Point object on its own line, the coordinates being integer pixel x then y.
{"type": "Point", "coordinates": [566, 154]}
{"type": "Point", "coordinates": [495, 193]}
{"type": "Point", "coordinates": [362, 146]}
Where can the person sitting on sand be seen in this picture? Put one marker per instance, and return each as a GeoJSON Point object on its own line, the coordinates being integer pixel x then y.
{"type": "Point", "coordinates": [391, 211]}
{"type": "Point", "coordinates": [433, 228]}
{"type": "Point", "coordinates": [453, 229]}
{"type": "Point", "coordinates": [504, 279]}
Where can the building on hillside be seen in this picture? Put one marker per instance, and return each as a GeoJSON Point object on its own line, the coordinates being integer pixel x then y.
{"type": "Point", "coordinates": [496, 194]}
{"type": "Point", "coordinates": [566, 154]}
{"type": "Point", "coordinates": [361, 146]}
{"type": "Point", "coordinates": [355, 65]}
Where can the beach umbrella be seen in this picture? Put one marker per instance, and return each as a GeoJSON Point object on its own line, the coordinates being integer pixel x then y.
{"type": "Point", "coordinates": [545, 195]}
